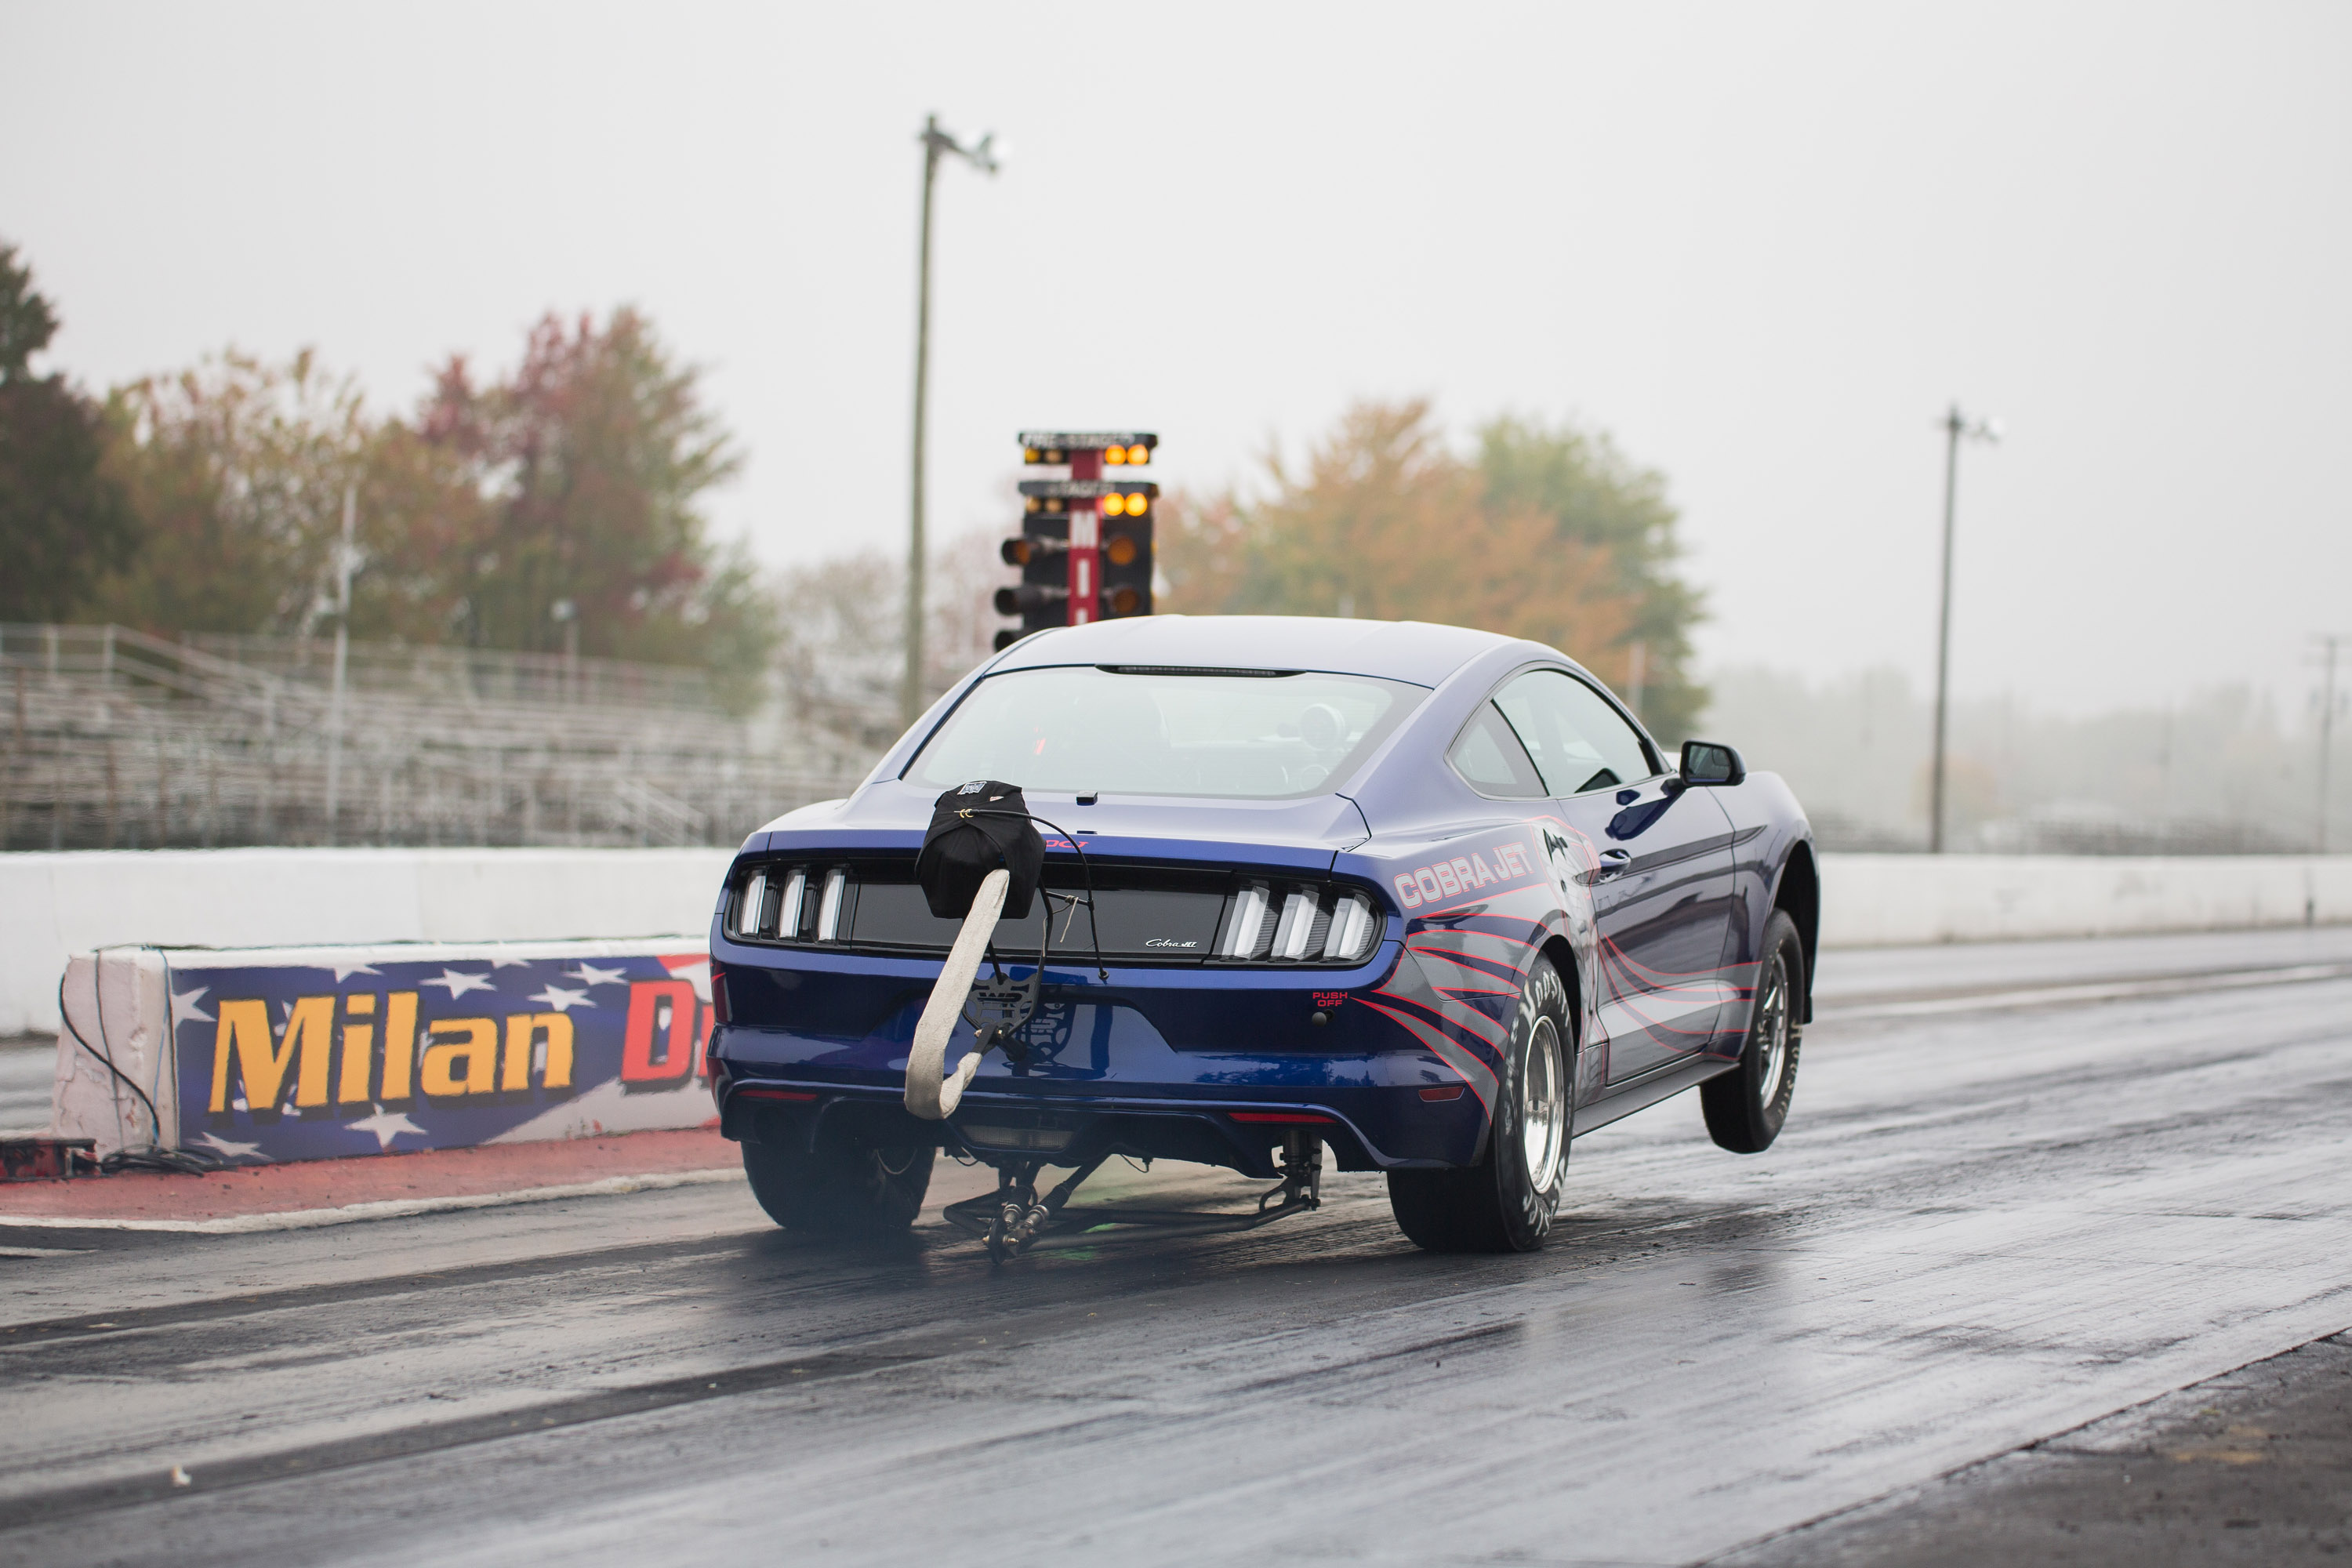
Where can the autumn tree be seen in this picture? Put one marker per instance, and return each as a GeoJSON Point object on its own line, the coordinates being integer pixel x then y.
{"type": "Point", "coordinates": [238, 469]}
{"type": "Point", "coordinates": [64, 520]}
{"type": "Point", "coordinates": [1547, 535]}
{"type": "Point", "coordinates": [588, 465]}
{"type": "Point", "coordinates": [575, 481]}
{"type": "Point", "coordinates": [1595, 496]}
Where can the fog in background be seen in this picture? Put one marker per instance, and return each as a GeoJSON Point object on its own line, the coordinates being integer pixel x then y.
{"type": "Point", "coordinates": [2224, 771]}
{"type": "Point", "coordinates": [1762, 246]}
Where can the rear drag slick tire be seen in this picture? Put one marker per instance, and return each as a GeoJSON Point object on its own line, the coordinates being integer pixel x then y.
{"type": "Point", "coordinates": [1505, 1202]}
{"type": "Point", "coordinates": [1747, 1106]}
{"type": "Point", "coordinates": [845, 1188]}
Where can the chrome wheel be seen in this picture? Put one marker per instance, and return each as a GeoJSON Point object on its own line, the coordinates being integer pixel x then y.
{"type": "Point", "coordinates": [1771, 1029]}
{"type": "Point", "coordinates": [1745, 1106]}
{"type": "Point", "coordinates": [1543, 1105]}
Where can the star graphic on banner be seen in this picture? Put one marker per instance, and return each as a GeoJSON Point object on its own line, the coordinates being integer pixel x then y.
{"type": "Point", "coordinates": [184, 1007]}
{"type": "Point", "coordinates": [345, 970]}
{"type": "Point", "coordinates": [562, 998]}
{"type": "Point", "coordinates": [227, 1149]}
{"type": "Point", "coordinates": [458, 985]}
{"type": "Point", "coordinates": [696, 974]}
{"type": "Point", "coordinates": [589, 974]}
{"type": "Point", "coordinates": [503, 961]}
{"type": "Point", "coordinates": [384, 1126]}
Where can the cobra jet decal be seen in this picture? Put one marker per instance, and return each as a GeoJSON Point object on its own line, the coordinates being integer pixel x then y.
{"type": "Point", "coordinates": [1465, 876]}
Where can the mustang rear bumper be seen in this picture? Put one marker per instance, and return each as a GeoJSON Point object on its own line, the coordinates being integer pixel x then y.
{"type": "Point", "coordinates": [1100, 1074]}
{"type": "Point", "coordinates": [1218, 1066]}
{"type": "Point", "coordinates": [1368, 1126]}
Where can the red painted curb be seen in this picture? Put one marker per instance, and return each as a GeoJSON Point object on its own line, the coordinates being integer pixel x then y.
{"type": "Point", "coordinates": [331, 1184]}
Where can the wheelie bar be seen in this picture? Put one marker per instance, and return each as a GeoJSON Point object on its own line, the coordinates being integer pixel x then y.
{"type": "Point", "coordinates": [1014, 1219]}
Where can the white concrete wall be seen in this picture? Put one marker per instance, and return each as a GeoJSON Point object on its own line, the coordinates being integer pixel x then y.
{"type": "Point", "coordinates": [53, 905]}
{"type": "Point", "coordinates": [1884, 900]}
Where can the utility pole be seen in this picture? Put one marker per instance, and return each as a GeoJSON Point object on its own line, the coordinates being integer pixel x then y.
{"type": "Point", "coordinates": [1954, 427]}
{"type": "Point", "coordinates": [343, 657]}
{"type": "Point", "coordinates": [2326, 734]}
{"type": "Point", "coordinates": [936, 142]}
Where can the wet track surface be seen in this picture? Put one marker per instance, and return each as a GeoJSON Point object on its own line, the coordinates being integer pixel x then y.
{"type": "Point", "coordinates": [2252, 1467]}
{"type": "Point", "coordinates": [1996, 1215]}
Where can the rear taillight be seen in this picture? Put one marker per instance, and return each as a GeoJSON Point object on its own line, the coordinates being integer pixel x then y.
{"type": "Point", "coordinates": [1299, 922]}
{"type": "Point", "coordinates": [1355, 927]}
{"type": "Point", "coordinates": [791, 903]}
{"type": "Point", "coordinates": [828, 909]}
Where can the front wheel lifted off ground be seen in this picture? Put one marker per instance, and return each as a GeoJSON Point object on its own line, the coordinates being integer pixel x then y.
{"type": "Point", "coordinates": [845, 1187]}
{"type": "Point", "coordinates": [1745, 1106]}
{"type": "Point", "coordinates": [1505, 1203]}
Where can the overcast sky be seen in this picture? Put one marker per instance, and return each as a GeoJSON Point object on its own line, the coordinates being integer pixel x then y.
{"type": "Point", "coordinates": [1762, 246]}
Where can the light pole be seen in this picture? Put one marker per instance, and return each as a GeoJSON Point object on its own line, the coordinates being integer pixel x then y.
{"type": "Point", "coordinates": [981, 156]}
{"type": "Point", "coordinates": [1954, 427]}
{"type": "Point", "coordinates": [343, 657]}
{"type": "Point", "coordinates": [2327, 734]}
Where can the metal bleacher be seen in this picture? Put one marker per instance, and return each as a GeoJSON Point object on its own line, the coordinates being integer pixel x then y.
{"type": "Point", "coordinates": [115, 738]}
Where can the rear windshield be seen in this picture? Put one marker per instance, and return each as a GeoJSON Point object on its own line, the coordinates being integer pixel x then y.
{"type": "Point", "coordinates": [1090, 730]}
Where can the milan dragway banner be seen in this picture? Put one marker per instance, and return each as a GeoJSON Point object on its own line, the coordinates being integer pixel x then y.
{"type": "Point", "coordinates": [317, 1053]}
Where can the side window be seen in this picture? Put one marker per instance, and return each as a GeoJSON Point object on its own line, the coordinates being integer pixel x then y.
{"type": "Point", "coordinates": [1578, 740]}
{"type": "Point", "coordinates": [1491, 758]}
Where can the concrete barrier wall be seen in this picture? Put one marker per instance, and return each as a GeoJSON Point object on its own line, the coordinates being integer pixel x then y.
{"type": "Point", "coordinates": [258, 1055]}
{"type": "Point", "coordinates": [1884, 900]}
{"type": "Point", "coordinates": [54, 905]}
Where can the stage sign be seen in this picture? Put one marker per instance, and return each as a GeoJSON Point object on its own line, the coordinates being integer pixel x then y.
{"type": "Point", "coordinates": [319, 1053]}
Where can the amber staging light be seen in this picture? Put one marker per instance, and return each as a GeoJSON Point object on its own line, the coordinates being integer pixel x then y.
{"type": "Point", "coordinates": [1121, 549]}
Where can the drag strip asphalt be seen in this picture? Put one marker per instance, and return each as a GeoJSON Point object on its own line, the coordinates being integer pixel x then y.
{"type": "Point", "coordinates": [2098, 1182]}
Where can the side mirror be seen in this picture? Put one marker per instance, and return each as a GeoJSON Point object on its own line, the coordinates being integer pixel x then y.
{"type": "Point", "coordinates": [1710, 762]}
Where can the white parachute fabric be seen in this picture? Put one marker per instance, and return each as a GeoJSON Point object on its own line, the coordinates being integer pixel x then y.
{"type": "Point", "coordinates": [931, 1093]}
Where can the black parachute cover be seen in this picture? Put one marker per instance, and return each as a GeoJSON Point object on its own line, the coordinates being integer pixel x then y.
{"type": "Point", "coordinates": [976, 828]}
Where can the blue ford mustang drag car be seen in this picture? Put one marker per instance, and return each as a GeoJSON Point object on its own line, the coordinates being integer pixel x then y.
{"type": "Point", "coordinates": [1425, 899]}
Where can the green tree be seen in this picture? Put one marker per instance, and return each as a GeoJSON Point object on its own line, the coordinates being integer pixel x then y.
{"type": "Point", "coordinates": [1549, 535]}
{"type": "Point", "coordinates": [64, 520]}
